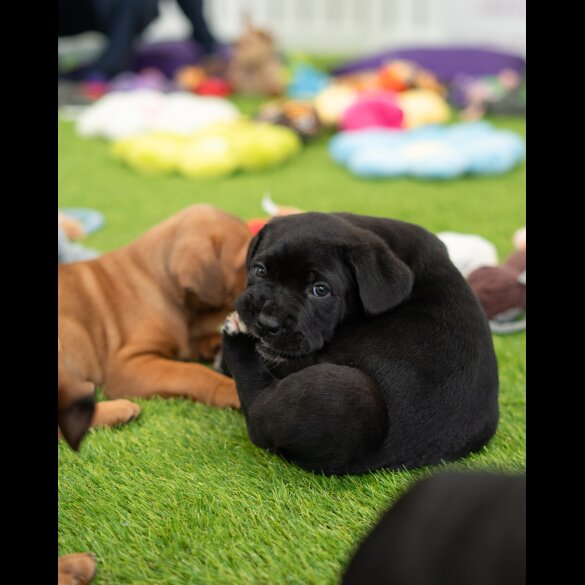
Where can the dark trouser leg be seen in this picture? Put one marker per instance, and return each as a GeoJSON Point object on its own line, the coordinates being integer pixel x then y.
{"type": "Point", "coordinates": [122, 22]}
{"type": "Point", "coordinates": [76, 17]}
{"type": "Point", "coordinates": [193, 10]}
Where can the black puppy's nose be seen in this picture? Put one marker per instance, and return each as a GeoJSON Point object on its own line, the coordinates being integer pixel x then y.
{"type": "Point", "coordinates": [269, 323]}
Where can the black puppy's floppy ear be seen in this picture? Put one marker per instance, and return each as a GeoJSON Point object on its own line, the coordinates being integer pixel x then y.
{"type": "Point", "coordinates": [384, 281]}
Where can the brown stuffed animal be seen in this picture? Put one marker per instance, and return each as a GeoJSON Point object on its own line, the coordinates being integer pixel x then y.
{"type": "Point", "coordinates": [255, 68]}
{"type": "Point", "coordinates": [501, 290]}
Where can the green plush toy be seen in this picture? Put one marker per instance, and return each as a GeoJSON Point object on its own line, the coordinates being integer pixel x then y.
{"type": "Point", "coordinates": [265, 145]}
{"type": "Point", "coordinates": [207, 157]}
{"type": "Point", "coordinates": [152, 154]}
{"type": "Point", "coordinates": [215, 151]}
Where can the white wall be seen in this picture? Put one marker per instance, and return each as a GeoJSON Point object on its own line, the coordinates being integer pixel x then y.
{"type": "Point", "coordinates": [360, 26]}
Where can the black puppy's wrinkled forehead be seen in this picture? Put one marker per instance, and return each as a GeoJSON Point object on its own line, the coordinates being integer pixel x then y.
{"type": "Point", "coordinates": [301, 244]}
{"type": "Point", "coordinates": [305, 232]}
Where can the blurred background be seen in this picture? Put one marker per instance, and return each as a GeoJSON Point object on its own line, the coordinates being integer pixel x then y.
{"type": "Point", "coordinates": [345, 26]}
{"type": "Point", "coordinates": [410, 109]}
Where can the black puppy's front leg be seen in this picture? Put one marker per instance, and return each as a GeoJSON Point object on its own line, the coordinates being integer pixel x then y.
{"type": "Point", "coordinates": [243, 361]}
{"type": "Point", "coordinates": [325, 417]}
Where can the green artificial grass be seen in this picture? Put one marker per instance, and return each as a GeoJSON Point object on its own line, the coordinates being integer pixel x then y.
{"type": "Point", "coordinates": [181, 496]}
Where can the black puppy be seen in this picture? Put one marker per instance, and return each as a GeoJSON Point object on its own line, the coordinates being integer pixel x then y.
{"type": "Point", "coordinates": [358, 344]}
{"type": "Point", "coordinates": [451, 529]}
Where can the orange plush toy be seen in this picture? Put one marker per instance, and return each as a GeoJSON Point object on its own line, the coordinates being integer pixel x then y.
{"type": "Point", "coordinates": [402, 75]}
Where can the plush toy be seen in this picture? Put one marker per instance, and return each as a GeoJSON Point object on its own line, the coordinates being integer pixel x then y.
{"type": "Point", "coordinates": [519, 239]}
{"type": "Point", "coordinates": [428, 152]}
{"type": "Point", "coordinates": [355, 109]}
{"type": "Point", "coordinates": [373, 110]}
{"type": "Point", "coordinates": [152, 154]}
{"type": "Point", "coordinates": [71, 227]}
{"type": "Point", "coordinates": [67, 251]}
{"type": "Point", "coordinates": [75, 224]}
{"type": "Point", "coordinates": [206, 156]}
{"type": "Point", "coordinates": [298, 115]}
{"type": "Point", "coordinates": [360, 82]}
{"type": "Point", "coordinates": [190, 77]}
{"type": "Point", "coordinates": [331, 103]}
{"type": "Point", "coordinates": [146, 79]}
{"type": "Point", "coordinates": [196, 80]}
{"type": "Point", "coordinates": [401, 75]}
{"type": "Point", "coordinates": [256, 224]}
{"type": "Point", "coordinates": [445, 62]}
{"type": "Point", "coordinates": [265, 145]}
{"type": "Point", "coordinates": [306, 81]}
{"type": "Point", "coordinates": [121, 114]}
{"type": "Point", "coordinates": [254, 67]}
{"type": "Point", "coordinates": [422, 106]}
{"type": "Point", "coordinates": [501, 290]}
{"type": "Point", "coordinates": [94, 90]}
{"type": "Point", "coordinates": [78, 222]}
{"type": "Point", "coordinates": [273, 210]}
{"type": "Point", "coordinates": [469, 252]}
{"type": "Point", "coordinates": [489, 94]}
{"type": "Point", "coordinates": [218, 150]}
{"type": "Point", "coordinates": [214, 86]}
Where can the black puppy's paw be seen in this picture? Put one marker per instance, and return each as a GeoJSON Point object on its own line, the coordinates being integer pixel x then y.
{"type": "Point", "coordinates": [240, 357]}
{"type": "Point", "coordinates": [233, 325]}
{"type": "Point", "coordinates": [238, 345]}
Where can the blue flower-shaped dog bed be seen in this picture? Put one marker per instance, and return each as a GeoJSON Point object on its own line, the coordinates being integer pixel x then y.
{"type": "Point", "coordinates": [429, 152]}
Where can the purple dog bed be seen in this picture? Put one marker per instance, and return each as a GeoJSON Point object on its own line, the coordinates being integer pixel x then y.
{"type": "Point", "coordinates": [444, 62]}
{"type": "Point", "coordinates": [169, 56]}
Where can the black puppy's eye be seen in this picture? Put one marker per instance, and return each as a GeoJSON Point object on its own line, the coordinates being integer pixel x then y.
{"type": "Point", "coordinates": [259, 270]}
{"type": "Point", "coordinates": [320, 290]}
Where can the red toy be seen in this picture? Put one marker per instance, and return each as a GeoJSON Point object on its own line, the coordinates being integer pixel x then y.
{"type": "Point", "coordinates": [214, 86]}
{"type": "Point", "coordinates": [94, 89]}
{"type": "Point", "coordinates": [255, 225]}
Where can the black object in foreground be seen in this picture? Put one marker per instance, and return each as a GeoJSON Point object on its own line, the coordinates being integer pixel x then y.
{"type": "Point", "coordinates": [451, 529]}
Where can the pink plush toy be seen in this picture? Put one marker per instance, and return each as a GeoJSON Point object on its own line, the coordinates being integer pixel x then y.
{"type": "Point", "coordinates": [371, 110]}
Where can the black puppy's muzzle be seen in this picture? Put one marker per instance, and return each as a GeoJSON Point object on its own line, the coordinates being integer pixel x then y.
{"type": "Point", "coordinates": [267, 323]}
{"type": "Point", "coordinates": [265, 317]}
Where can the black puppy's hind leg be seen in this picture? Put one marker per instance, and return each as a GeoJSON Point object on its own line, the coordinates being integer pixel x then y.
{"type": "Point", "coordinates": [326, 419]}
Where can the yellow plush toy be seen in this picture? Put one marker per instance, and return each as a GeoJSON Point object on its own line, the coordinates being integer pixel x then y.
{"type": "Point", "coordinates": [422, 106]}
{"type": "Point", "coordinates": [217, 150]}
